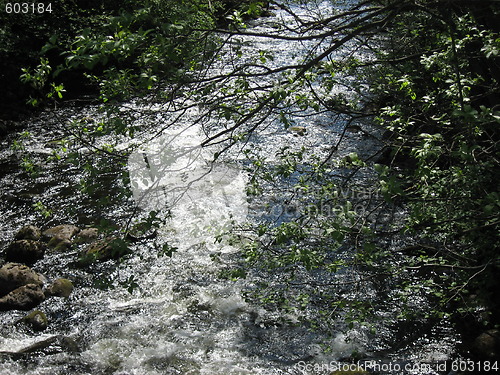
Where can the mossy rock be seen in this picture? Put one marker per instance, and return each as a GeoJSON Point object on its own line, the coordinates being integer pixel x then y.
{"type": "Point", "coordinates": [60, 288]}
{"type": "Point", "coordinates": [87, 235]}
{"type": "Point", "coordinates": [59, 243]}
{"type": "Point", "coordinates": [299, 130]}
{"type": "Point", "coordinates": [64, 231]}
{"type": "Point", "coordinates": [102, 250]}
{"type": "Point", "coordinates": [37, 320]}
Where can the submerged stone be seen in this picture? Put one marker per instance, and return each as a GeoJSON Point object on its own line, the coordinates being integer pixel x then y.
{"type": "Point", "coordinates": [68, 344]}
{"type": "Point", "coordinates": [300, 130]}
{"type": "Point", "coordinates": [37, 320]}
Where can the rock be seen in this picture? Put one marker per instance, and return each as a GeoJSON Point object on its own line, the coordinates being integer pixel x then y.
{"type": "Point", "coordinates": [354, 128]}
{"type": "Point", "coordinates": [28, 232]}
{"type": "Point", "coordinates": [26, 251]}
{"type": "Point", "coordinates": [68, 344]}
{"type": "Point", "coordinates": [59, 243]}
{"type": "Point", "coordinates": [487, 345]}
{"type": "Point", "coordinates": [59, 288]}
{"type": "Point", "coordinates": [51, 345]}
{"type": "Point", "coordinates": [197, 306]}
{"type": "Point", "coordinates": [108, 248]}
{"type": "Point", "coordinates": [65, 231]}
{"type": "Point", "coordinates": [23, 298]}
{"type": "Point", "coordinates": [60, 237]}
{"type": "Point", "coordinates": [39, 345]}
{"type": "Point", "coordinates": [87, 235]}
{"type": "Point", "coordinates": [37, 320]}
{"type": "Point", "coordinates": [300, 130]}
{"type": "Point", "coordinates": [14, 275]}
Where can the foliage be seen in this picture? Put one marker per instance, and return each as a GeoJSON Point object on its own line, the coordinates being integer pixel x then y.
{"type": "Point", "coordinates": [443, 121]}
{"type": "Point", "coordinates": [22, 37]}
{"type": "Point", "coordinates": [124, 50]}
{"type": "Point", "coordinates": [129, 50]}
{"type": "Point", "coordinates": [433, 86]}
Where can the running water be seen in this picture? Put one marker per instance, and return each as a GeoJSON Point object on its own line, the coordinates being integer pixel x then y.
{"type": "Point", "coordinates": [181, 317]}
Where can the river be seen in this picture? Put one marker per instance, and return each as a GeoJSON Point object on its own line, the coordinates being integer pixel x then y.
{"type": "Point", "coordinates": [181, 317]}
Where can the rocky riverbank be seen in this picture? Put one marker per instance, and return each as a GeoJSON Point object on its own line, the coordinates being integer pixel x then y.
{"type": "Point", "coordinates": [22, 287]}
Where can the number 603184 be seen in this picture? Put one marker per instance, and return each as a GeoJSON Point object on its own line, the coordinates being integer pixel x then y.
{"type": "Point", "coordinates": [474, 366]}
{"type": "Point", "coordinates": [24, 8]}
